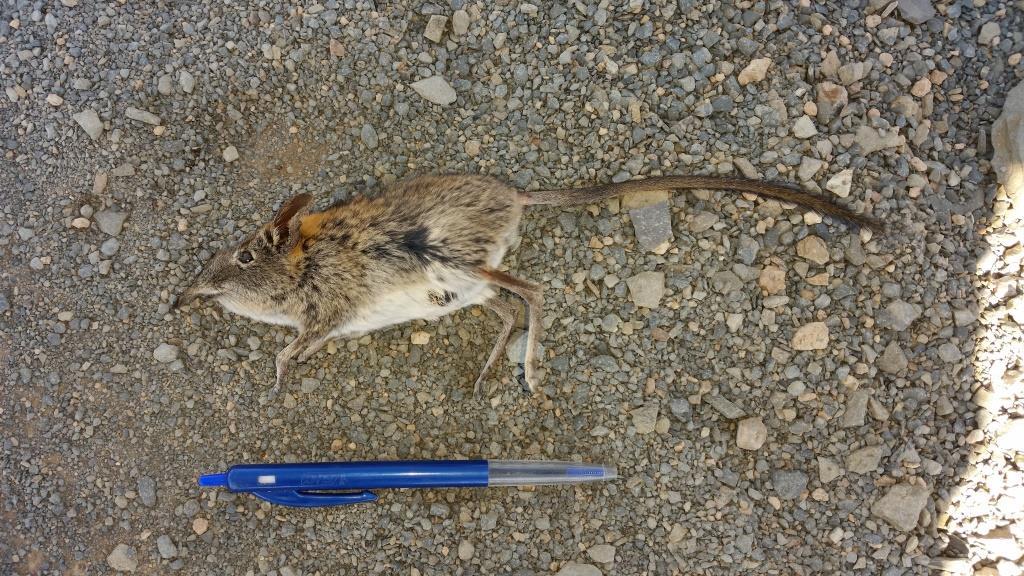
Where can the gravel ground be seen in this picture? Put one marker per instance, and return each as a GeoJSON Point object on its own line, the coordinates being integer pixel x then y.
{"type": "Point", "coordinates": [780, 395]}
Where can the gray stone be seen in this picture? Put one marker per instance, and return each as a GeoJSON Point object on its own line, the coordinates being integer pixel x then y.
{"type": "Point", "coordinates": [646, 288]}
{"type": "Point", "coordinates": [892, 360]}
{"type": "Point", "coordinates": [916, 11]}
{"type": "Point", "coordinates": [369, 136]}
{"type": "Point", "coordinates": [110, 246]}
{"type": "Point", "coordinates": [230, 154]}
{"type": "Point", "coordinates": [143, 116]}
{"type": "Point", "coordinates": [90, 122]}
{"type": "Point", "coordinates": [841, 183]}
{"type": "Point", "coordinates": [789, 484]}
{"type": "Point", "coordinates": [435, 28]}
{"type": "Point", "coordinates": [864, 460]}
{"type": "Point", "coordinates": [165, 353]}
{"type": "Point", "coordinates": [804, 127]}
{"type": "Point", "coordinates": [828, 470]}
{"type": "Point", "coordinates": [856, 408]}
{"type": "Point", "coordinates": [165, 85]}
{"type": "Point", "coordinates": [989, 31]}
{"type": "Point", "coordinates": [460, 22]}
{"type": "Point", "coordinates": [902, 505]}
{"type": "Point", "coordinates": [645, 418]}
{"type": "Point", "coordinates": [950, 353]}
{"type": "Point", "coordinates": [110, 222]}
{"type": "Point", "coordinates": [1008, 144]}
{"type": "Point", "coordinates": [725, 282]}
{"type": "Point", "coordinates": [899, 315]}
{"type": "Point", "coordinates": [680, 408]}
{"type": "Point", "coordinates": [814, 249]}
{"type": "Point", "coordinates": [652, 225]}
{"type": "Point", "coordinates": [147, 491]}
{"type": "Point", "coordinates": [602, 553]}
{"type": "Point", "coordinates": [166, 547]}
{"type": "Point", "coordinates": [435, 89]}
{"type": "Point", "coordinates": [187, 81]}
{"type": "Point", "coordinates": [831, 99]}
{"type": "Point", "coordinates": [123, 558]}
{"type": "Point", "coordinates": [871, 140]}
{"type": "Point", "coordinates": [724, 407]}
{"type": "Point", "coordinates": [574, 569]}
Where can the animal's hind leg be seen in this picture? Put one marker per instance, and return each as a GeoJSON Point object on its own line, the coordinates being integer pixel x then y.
{"type": "Point", "coordinates": [507, 311]}
{"type": "Point", "coordinates": [534, 298]}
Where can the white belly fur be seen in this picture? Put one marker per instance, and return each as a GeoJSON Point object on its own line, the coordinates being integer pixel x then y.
{"type": "Point", "coordinates": [414, 303]}
{"type": "Point", "coordinates": [270, 317]}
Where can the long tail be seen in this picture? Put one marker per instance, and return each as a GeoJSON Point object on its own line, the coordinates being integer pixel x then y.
{"type": "Point", "coordinates": [783, 192]}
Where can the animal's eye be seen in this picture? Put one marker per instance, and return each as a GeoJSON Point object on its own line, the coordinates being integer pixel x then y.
{"type": "Point", "coordinates": [245, 256]}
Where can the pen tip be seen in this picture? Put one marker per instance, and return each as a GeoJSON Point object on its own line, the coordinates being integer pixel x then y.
{"type": "Point", "coordinates": [219, 479]}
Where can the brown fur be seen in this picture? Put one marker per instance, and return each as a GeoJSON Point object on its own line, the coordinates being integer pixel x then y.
{"type": "Point", "coordinates": [439, 238]}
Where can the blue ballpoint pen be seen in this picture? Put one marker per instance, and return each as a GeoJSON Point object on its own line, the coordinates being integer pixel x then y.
{"type": "Point", "coordinates": [310, 485]}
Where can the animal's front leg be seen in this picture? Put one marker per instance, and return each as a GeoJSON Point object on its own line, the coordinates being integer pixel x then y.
{"type": "Point", "coordinates": [284, 357]}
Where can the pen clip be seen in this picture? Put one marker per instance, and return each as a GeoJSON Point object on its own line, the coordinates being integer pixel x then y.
{"type": "Point", "coordinates": [310, 499]}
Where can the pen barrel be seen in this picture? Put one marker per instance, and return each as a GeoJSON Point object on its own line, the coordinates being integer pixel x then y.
{"type": "Point", "coordinates": [532, 473]}
{"type": "Point", "coordinates": [359, 475]}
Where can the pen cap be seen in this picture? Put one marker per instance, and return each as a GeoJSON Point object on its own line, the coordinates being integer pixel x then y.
{"type": "Point", "coordinates": [532, 473]}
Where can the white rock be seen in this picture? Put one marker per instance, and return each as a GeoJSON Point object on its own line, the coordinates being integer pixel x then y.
{"type": "Point", "coordinates": [804, 127]}
{"type": "Point", "coordinates": [870, 140]}
{"type": "Point", "coordinates": [54, 100]}
{"type": "Point", "coordinates": [420, 338]}
{"type": "Point", "coordinates": [110, 222]}
{"type": "Point", "coordinates": [809, 168]}
{"type": "Point", "coordinates": [466, 550]}
{"type": "Point", "coordinates": [755, 71]}
{"type": "Point", "coordinates": [828, 470]}
{"type": "Point", "coordinates": [166, 547]}
{"type": "Point", "coordinates": [230, 154]}
{"type": "Point", "coordinates": [90, 122]}
{"type": "Point", "coordinates": [864, 460]}
{"type": "Point", "coordinates": [813, 336]}
{"type": "Point", "coordinates": [1008, 147]}
{"type": "Point", "coordinates": [751, 434]}
{"type": "Point", "coordinates": [645, 418]}
{"type": "Point", "coordinates": [841, 183]}
{"type": "Point", "coordinates": [772, 280]}
{"type": "Point", "coordinates": [435, 89]}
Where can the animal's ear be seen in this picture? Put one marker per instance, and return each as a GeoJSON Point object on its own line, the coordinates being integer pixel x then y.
{"type": "Point", "coordinates": [284, 229]}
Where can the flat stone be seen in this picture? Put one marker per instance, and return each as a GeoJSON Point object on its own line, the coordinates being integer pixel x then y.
{"type": "Point", "coordinates": [809, 168]}
{"type": "Point", "coordinates": [369, 136]}
{"type": "Point", "coordinates": [574, 569]}
{"type": "Point", "coordinates": [841, 183]}
{"type": "Point", "coordinates": [645, 418]}
{"type": "Point", "coordinates": [812, 336]}
{"type": "Point", "coordinates": [814, 249]}
{"type": "Point", "coordinates": [420, 337]}
{"type": "Point", "coordinates": [602, 553]}
{"type": "Point", "coordinates": [123, 558]}
{"type": "Point", "coordinates": [1008, 146]}
{"type": "Point", "coordinates": [831, 99]}
{"type": "Point", "coordinates": [871, 140]}
{"type": "Point", "coordinates": [466, 550]}
{"type": "Point", "coordinates": [892, 360]}
{"type": "Point", "coordinates": [1011, 436]}
{"type": "Point", "coordinates": [789, 484]}
{"type": "Point", "coordinates": [435, 28]}
{"type": "Point", "coordinates": [147, 491]}
{"type": "Point", "coordinates": [899, 315]}
{"type": "Point", "coordinates": [950, 353]}
{"type": "Point", "coordinates": [646, 288]}
{"type": "Point", "coordinates": [187, 81]}
{"type": "Point", "coordinates": [901, 506]}
{"type": "Point", "coordinates": [652, 226]}
{"type": "Point", "coordinates": [165, 353]}
{"type": "Point", "coordinates": [853, 72]}
{"type": "Point", "coordinates": [989, 31]}
{"type": "Point", "coordinates": [725, 282]}
{"type": "Point", "coordinates": [755, 71]}
{"type": "Point", "coordinates": [916, 11]}
{"type": "Point", "coordinates": [200, 526]}
{"type": "Point", "coordinates": [702, 221]}
{"type": "Point", "coordinates": [90, 122]}
{"type": "Point", "coordinates": [680, 408]}
{"type": "Point", "coordinates": [864, 460]}
{"type": "Point", "coordinates": [751, 434]}
{"type": "Point", "coordinates": [856, 408]}
{"type": "Point", "coordinates": [143, 116]}
{"type": "Point", "coordinates": [110, 222]}
{"type": "Point", "coordinates": [828, 470]}
{"type": "Point", "coordinates": [435, 89]}
{"type": "Point", "coordinates": [165, 85]}
{"type": "Point", "coordinates": [804, 127]}
{"type": "Point", "coordinates": [724, 407]}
